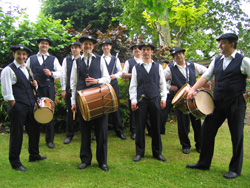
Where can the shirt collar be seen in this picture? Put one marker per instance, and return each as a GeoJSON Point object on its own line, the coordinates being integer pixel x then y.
{"type": "Point", "coordinates": [231, 56]}
{"type": "Point", "coordinates": [92, 55]}
{"type": "Point", "coordinates": [47, 54]}
{"type": "Point", "coordinates": [19, 65]}
{"type": "Point", "coordinates": [175, 64]}
{"type": "Point", "coordinates": [106, 56]}
{"type": "Point", "coordinates": [141, 62]}
{"type": "Point", "coordinates": [137, 59]}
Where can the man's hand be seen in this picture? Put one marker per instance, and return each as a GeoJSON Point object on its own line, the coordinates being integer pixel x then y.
{"type": "Point", "coordinates": [63, 94]}
{"type": "Point", "coordinates": [191, 93]}
{"type": "Point", "coordinates": [12, 103]}
{"type": "Point", "coordinates": [134, 106]}
{"type": "Point", "coordinates": [173, 88]}
{"type": "Point", "coordinates": [112, 77]}
{"type": "Point", "coordinates": [73, 108]}
{"type": "Point", "coordinates": [246, 97]}
{"type": "Point", "coordinates": [163, 104]}
{"type": "Point", "coordinates": [33, 83]}
{"type": "Point", "coordinates": [91, 81]}
{"type": "Point", "coordinates": [47, 72]}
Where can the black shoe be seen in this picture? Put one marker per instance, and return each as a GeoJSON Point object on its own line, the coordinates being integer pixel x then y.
{"type": "Point", "coordinates": [83, 166]}
{"type": "Point", "coordinates": [39, 158]}
{"type": "Point", "coordinates": [104, 167]}
{"type": "Point", "coordinates": [197, 166]}
{"type": "Point", "coordinates": [94, 137]}
{"type": "Point", "coordinates": [21, 168]}
{"type": "Point", "coordinates": [122, 136]}
{"type": "Point", "coordinates": [50, 145]}
{"type": "Point", "coordinates": [137, 158]}
{"type": "Point", "coordinates": [185, 151]}
{"type": "Point", "coordinates": [67, 140]}
{"type": "Point", "coordinates": [160, 157]}
{"type": "Point", "coordinates": [198, 150]}
{"type": "Point", "coordinates": [231, 175]}
{"type": "Point", "coordinates": [133, 136]}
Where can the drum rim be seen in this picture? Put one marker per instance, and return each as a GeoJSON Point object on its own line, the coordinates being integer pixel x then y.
{"type": "Point", "coordinates": [178, 100]}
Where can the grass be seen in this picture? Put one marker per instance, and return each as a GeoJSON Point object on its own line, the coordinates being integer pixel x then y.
{"type": "Point", "coordinates": [60, 167]}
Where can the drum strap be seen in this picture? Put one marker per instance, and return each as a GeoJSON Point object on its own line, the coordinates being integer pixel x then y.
{"type": "Point", "coordinates": [187, 78]}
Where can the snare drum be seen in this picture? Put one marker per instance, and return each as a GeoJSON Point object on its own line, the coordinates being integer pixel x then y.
{"type": "Point", "coordinates": [201, 105]}
{"type": "Point", "coordinates": [97, 101]}
{"type": "Point", "coordinates": [179, 99]}
{"type": "Point", "coordinates": [44, 111]}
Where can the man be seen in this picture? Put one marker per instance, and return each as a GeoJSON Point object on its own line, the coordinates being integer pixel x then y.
{"type": "Point", "coordinates": [180, 73]}
{"type": "Point", "coordinates": [230, 71]}
{"type": "Point", "coordinates": [146, 87]}
{"type": "Point", "coordinates": [17, 89]}
{"type": "Point", "coordinates": [45, 68]}
{"type": "Point", "coordinates": [115, 71]}
{"type": "Point", "coordinates": [89, 71]}
{"type": "Point", "coordinates": [127, 72]}
{"type": "Point", "coordinates": [75, 48]}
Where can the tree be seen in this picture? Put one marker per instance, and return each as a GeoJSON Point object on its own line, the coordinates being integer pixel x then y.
{"type": "Point", "coordinates": [82, 13]}
{"type": "Point", "coordinates": [201, 29]}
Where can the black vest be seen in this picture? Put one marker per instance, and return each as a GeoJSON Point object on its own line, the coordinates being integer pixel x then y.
{"type": "Point", "coordinates": [147, 83]}
{"type": "Point", "coordinates": [229, 83]}
{"type": "Point", "coordinates": [112, 69]}
{"type": "Point", "coordinates": [69, 63]}
{"type": "Point", "coordinates": [22, 90]}
{"type": "Point", "coordinates": [38, 72]}
{"type": "Point", "coordinates": [94, 71]}
{"type": "Point", "coordinates": [131, 63]}
{"type": "Point", "coordinates": [178, 78]}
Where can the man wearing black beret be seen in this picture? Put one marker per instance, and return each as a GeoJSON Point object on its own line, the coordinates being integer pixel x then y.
{"type": "Point", "coordinates": [17, 89]}
{"type": "Point", "coordinates": [67, 63]}
{"type": "Point", "coordinates": [231, 71]}
{"type": "Point", "coordinates": [46, 68]}
{"type": "Point", "coordinates": [179, 73]}
{"type": "Point", "coordinates": [115, 71]}
{"type": "Point", "coordinates": [148, 94]}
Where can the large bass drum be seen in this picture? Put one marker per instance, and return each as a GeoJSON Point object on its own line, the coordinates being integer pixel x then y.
{"type": "Point", "coordinates": [97, 101]}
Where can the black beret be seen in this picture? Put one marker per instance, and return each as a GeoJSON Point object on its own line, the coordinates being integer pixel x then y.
{"type": "Point", "coordinates": [75, 43]}
{"type": "Point", "coordinates": [44, 38]}
{"type": "Point", "coordinates": [106, 42]}
{"type": "Point", "coordinates": [146, 44]}
{"type": "Point", "coordinates": [134, 45]}
{"type": "Point", "coordinates": [176, 49]}
{"type": "Point", "coordinates": [20, 47]}
{"type": "Point", "coordinates": [87, 37]}
{"type": "Point", "coordinates": [228, 36]}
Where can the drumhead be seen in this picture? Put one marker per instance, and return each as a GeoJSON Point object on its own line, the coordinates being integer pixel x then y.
{"type": "Point", "coordinates": [180, 93]}
{"type": "Point", "coordinates": [204, 102]}
{"type": "Point", "coordinates": [43, 115]}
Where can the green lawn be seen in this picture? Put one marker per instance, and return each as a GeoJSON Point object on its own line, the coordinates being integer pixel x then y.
{"type": "Point", "coordinates": [60, 167]}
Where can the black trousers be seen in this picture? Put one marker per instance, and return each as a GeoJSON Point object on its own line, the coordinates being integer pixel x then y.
{"type": "Point", "coordinates": [164, 115]}
{"type": "Point", "coordinates": [184, 129]}
{"type": "Point", "coordinates": [20, 115]}
{"type": "Point", "coordinates": [133, 123]}
{"type": "Point", "coordinates": [151, 107]}
{"type": "Point", "coordinates": [116, 116]}
{"type": "Point", "coordinates": [234, 111]}
{"type": "Point", "coordinates": [50, 93]}
{"type": "Point", "coordinates": [101, 132]}
{"type": "Point", "coordinates": [70, 121]}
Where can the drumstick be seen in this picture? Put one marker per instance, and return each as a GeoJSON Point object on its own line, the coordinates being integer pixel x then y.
{"type": "Point", "coordinates": [74, 115]}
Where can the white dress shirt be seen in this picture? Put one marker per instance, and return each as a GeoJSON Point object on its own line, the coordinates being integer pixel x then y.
{"type": "Point", "coordinates": [133, 83]}
{"type": "Point", "coordinates": [126, 66]}
{"type": "Point", "coordinates": [117, 64]}
{"type": "Point", "coordinates": [8, 78]}
{"type": "Point", "coordinates": [245, 66]}
{"type": "Point", "coordinates": [73, 77]}
{"type": "Point", "coordinates": [57, 67]}
{"type": "Point", "coordinates": [64, 73]}
{"type": "Point", "coordinates": [199, 69]}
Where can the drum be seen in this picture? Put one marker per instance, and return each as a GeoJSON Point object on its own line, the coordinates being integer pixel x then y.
{"type": "Point", "coordinates": [179, 99]}
{"type": "Point", "coordinates": [201, 105]}
{"type": "Point", "coordinates": [44, 111]}
{"type": "Point", "coordinates": [97, 101]}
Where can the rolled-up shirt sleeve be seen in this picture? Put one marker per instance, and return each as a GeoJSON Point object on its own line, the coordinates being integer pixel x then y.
{"type": "Point", "coordinates": [8, 78]}
{"type": "Point", "coordinates": [162, 84]}
{"type": "Point", "coordinates": [209, 72]}
{"type": "Point", "coordinates": [73, 82]}
{"type": "Point", "coordinates": [133, 86]}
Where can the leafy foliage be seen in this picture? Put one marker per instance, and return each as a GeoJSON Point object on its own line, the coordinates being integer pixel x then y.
{"type": "Point", "coordinates": [81, 13]}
